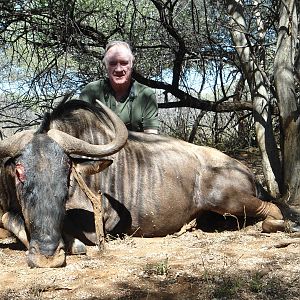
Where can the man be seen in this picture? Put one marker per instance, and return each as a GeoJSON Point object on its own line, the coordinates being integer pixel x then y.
{"type": "Point", "coordinates": [133, 102]}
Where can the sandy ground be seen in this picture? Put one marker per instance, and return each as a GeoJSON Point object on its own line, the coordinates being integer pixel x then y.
{"type": "Point", "coordinates": [240, 264]}
{"type": "Point", "coordinates": [244, 264]}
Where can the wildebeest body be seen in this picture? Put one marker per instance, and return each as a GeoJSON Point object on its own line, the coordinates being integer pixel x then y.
{"type": "Point", "coordinates": [154, 186]}
{"type": "Point", "coordinates": [157, 184]}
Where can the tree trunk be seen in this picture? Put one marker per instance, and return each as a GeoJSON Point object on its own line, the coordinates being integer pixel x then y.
{"type": "Point", "coordinates": [285, 88]}
{"type": "Point", "coordinates": [253, 71]}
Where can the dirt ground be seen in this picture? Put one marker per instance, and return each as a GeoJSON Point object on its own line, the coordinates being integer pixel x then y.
{"type": "Point", "coordinates": [243, 264]}
{"type": "Point", "coordinates": [239, 264]}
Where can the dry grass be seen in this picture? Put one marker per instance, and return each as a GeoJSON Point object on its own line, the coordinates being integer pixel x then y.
{"type": "Point", "coordinates": [197, 265]}
{"type": "Point", "coordinates": [242, 264]}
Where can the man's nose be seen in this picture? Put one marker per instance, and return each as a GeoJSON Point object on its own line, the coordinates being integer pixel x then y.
{"type": "Point", "coordinates": [119, 68]}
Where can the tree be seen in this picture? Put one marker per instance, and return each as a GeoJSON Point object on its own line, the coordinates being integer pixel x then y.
{"type": "Point", "coordinates": [285, 72]}
{"type": "Point", "coordinates": [230, 45]}
{"type": "Point", "coordinates": [253, 70]}
{"type": "Point", "coordinates": [57, 32]}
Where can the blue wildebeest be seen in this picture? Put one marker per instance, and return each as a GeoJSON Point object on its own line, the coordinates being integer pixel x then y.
{"type": "Point", "coordinates": [154, 186]}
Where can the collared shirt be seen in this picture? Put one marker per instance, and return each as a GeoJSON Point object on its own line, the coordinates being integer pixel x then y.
{"type": "Point", "coordinates": [139, 111]}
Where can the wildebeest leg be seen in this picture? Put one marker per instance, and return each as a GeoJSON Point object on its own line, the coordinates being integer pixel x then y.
{"type": "Point", "coordinates": [73, 245]}
{"type": "Point", "coordinates": [4, 233]}
{"type": "Point", "coordinates": [272, 223]}
{"type": "Point", "coordinates": [80, 224]}
{"type": "Point", "coordinates": [273, 217]}
{"type": "Point", "coordinates": [245, 205]}
{"type": "Point", "coordinates": [15, 224]}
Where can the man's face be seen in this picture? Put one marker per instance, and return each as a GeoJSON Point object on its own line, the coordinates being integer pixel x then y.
{"type": "Point", "coordinates": [119, 66]}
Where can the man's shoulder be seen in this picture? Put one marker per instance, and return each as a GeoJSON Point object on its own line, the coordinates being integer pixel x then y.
{"type": "Point", "coordinates": [143, 89]}
{"type": "Point", "coordinates": [93, 90]}
{"type": "Point", "coordinates": [97, 84]}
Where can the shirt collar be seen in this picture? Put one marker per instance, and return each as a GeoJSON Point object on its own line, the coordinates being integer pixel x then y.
{"type": "Point", "coordinates": [132, 93]}
{"type": "Point", "coordinates": [107, 89]}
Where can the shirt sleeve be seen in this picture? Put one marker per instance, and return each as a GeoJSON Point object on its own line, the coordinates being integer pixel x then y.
{"type": "Point", "coordinates": [150, 114]}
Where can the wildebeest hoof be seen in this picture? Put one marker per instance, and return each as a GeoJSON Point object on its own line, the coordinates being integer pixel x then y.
{"type": "Point", "coordinates": [292, 227]}
{"type": "Point", "coordinates": [75, 247]}
{"type": "Point", "coordinates": [272, 225]}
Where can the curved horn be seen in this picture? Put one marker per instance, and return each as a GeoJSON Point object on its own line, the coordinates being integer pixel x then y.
{"type": "Point", "coordinates": [73, 145]}
{"type": "Point", "coordinates": [12, 146]}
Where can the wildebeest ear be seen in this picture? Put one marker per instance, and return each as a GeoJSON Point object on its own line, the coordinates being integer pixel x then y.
{"type": "Point", "coordinates": [90, 167]}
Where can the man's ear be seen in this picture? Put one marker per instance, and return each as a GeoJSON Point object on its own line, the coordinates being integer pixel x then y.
{"type": "Point", "coordinates": [91, 167]}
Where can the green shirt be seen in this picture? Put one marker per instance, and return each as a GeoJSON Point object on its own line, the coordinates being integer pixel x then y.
{"type": "Point", "coordinates": [138, 111]}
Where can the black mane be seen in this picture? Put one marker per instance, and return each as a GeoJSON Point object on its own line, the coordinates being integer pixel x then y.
{"type": "Point", "coordinates": [61, 109]}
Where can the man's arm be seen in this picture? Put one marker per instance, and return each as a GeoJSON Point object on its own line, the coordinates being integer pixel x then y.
{"type": "Point", "coordinates": [150, 113]}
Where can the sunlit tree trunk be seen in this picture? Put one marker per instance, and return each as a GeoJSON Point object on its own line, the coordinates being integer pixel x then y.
{"type": "Point", "coordinates": [256, 78]}
{"type": "Point", "coordinates": [285, 87]}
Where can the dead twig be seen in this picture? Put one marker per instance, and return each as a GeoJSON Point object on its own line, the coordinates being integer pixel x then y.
{"type": "Point", "coordinates": [97, 207]}
{"type": "Point", "coordinates": [187, 227]}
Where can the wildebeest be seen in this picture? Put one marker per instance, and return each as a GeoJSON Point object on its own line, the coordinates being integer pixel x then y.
{"type": "Point", "coordinates": [154, 186]}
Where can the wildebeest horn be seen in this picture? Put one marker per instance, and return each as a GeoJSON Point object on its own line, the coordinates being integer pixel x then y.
{"type": "Point", "coordinates": [73, 145]}
{"type": "Point", "coordinates": [12, 146]}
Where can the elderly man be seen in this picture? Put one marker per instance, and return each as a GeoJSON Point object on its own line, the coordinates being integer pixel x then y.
{"type": "Point", "coordinates": [133, 102]}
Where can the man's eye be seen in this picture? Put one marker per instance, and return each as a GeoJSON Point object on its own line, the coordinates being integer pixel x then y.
{"type": "Point", "coordinates": [112, 63]}
{"type": "Point", "coordinates": [124, 63]}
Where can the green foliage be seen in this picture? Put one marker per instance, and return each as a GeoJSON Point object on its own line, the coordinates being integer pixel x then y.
{"type": "Point", "coordinates": [157, 268]}
{"type": "Point", "coordinates": [77, 31]}
{"type": "Point", "coordinates": [256, 283]}
{"type": "Point", "coordinates": [53, 46]}
{"type": "Point", "coordinates": [227, 288]}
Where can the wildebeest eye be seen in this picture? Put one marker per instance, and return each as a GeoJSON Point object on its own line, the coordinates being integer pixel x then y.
{"type": "Point", "coordinates": [20, 172]}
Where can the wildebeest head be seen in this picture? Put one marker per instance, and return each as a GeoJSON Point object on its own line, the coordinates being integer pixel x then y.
{"type": "Point", "coordinates": [43, 202]}
{"type": "Point", "coordinates": [40, 166]}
